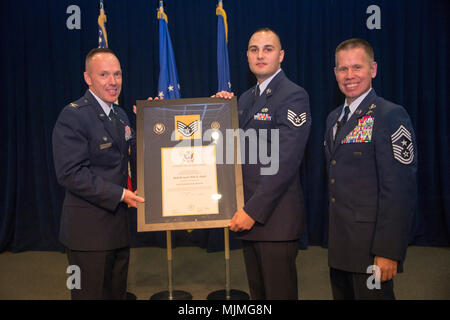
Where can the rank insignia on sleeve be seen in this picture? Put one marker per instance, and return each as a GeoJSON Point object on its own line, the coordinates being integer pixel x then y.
{"type": "Point", "coordinates": [402, 145]}
{"type": "Point", "coordinates": [296, 120]}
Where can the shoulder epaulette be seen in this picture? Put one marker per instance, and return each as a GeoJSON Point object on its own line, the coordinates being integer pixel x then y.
{"type": "Point", "coordinates": [79, 103]}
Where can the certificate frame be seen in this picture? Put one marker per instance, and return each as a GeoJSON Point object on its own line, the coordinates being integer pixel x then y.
{"type": "Point", "coordinates": [174, 124]}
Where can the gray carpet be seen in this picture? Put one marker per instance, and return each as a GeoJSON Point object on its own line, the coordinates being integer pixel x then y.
{"type": "Point", "coordinates": [42, 275]}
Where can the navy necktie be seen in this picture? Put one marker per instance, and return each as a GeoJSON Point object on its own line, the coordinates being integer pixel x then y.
{"type": "Point", "coordinates": [257, 94]}
{"type": "Point", "coordinates": [343, 121]}
{"type": "Point", "coordinates": [115, 120]}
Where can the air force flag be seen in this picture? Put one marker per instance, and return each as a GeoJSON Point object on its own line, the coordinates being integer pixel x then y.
{"type": "Point", "coordinates": [168, 86]}
{"type": "Point", "coordinates": [223, 67]}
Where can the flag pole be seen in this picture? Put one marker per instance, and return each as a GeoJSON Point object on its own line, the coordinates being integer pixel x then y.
{"type": "Point", "coordinates": [224, 77]}
{"type": "Point", "coordinates": [227, 293]}
{"type": "Point", "coordinates": [170, 294]}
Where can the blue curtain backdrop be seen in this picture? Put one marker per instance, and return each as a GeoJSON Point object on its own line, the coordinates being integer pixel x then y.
{"type": "Point", "coordinates": [41, 71]}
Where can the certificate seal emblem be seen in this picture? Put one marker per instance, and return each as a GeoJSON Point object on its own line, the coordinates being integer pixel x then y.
{"type": "Point", "coordinates": [188, 156]}
{"type": "Point", "coordinates": [215, 125]}
{"type": "Point", "coordinates": [159, 128]}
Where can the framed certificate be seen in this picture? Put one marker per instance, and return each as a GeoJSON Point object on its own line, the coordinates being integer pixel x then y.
{"type": "Point", "coordinates": [188, 167]}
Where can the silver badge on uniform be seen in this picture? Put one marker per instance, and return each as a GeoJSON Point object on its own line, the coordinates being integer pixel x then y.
{"type": "Point", "coordinates": [296, 120]}
{"type": "Point", "coordinates": [402, 145]}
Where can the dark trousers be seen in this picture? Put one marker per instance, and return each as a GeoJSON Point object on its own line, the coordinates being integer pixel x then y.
{"type": "Point", "coordinates": [353, 286]}
{"type": "Point", "coordinates": [271, 269]}
{"type": "Point", "coordinates": [103, 274]}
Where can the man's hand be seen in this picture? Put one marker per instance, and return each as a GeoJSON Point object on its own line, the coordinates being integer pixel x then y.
{"type": "Point", "coordinates": [131, 198]}
{"type": "Point", "coordinates": [223, 94]}
{"type": "Point", "coordinates": [149, 98]}
{"type": "Point", "coordinates": [241, 221]}
{"type": "Point", "coordinates": [387, 267]}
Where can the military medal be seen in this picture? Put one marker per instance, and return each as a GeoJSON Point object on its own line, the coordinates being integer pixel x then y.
{"type": "Point", "coordinates": [215, 125]}
{"type": "Point", "coordinates": [362, 133]}
{"type": "Point", "coordinates": [159, 128]}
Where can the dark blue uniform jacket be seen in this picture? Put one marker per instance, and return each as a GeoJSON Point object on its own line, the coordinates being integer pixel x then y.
{"type": "Point", "coordinates": [91, 162]}
{"type": "Point", "coordinates": [280, 119]}
{"type": "Point", "coordinates": [372, 168]}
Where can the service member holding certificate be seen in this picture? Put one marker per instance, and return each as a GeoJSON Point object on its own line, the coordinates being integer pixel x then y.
{"type": "Point", "coordinates": [273, 217]}
{"type": "Point", "coordinates": [91, 140]}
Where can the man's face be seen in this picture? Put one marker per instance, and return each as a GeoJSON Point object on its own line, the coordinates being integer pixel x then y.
{"type": "Point", "coordinates": [354, 72]}
{"type": "Point", "coordinates": [104, 76]}
{"type": "Point", "coordinates": [264, 55]}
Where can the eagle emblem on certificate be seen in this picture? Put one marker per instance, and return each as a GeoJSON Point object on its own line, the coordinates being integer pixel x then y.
{"type": "Point", "coordinates": [188, 127]}
{"type": "Point", "coordinates": [296, 120]}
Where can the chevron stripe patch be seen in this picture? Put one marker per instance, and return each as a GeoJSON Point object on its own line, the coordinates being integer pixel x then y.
{"type": "Point", "coordinates": [402, 145]}
{"type": "Point", "coordinates": [296, 120]}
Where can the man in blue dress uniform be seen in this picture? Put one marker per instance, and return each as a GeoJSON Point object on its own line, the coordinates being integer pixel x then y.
{"type": "Point", "coordinates": [372, 162]}
{"type": "Point", "coordinates": [276, 111]}
{"type": "Point", "coordinates": [91, 140]}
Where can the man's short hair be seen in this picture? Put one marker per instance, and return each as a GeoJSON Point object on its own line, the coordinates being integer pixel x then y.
{"type": "Point", "coordinates": [94, 51]}
{"type": "Point", "coordinates": [266, 29]}
{"type": "Point", "coordinates": [355, 43]}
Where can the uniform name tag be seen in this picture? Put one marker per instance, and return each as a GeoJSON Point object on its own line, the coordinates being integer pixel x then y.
{"type": "Point", "coordinates": [105, 145]}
